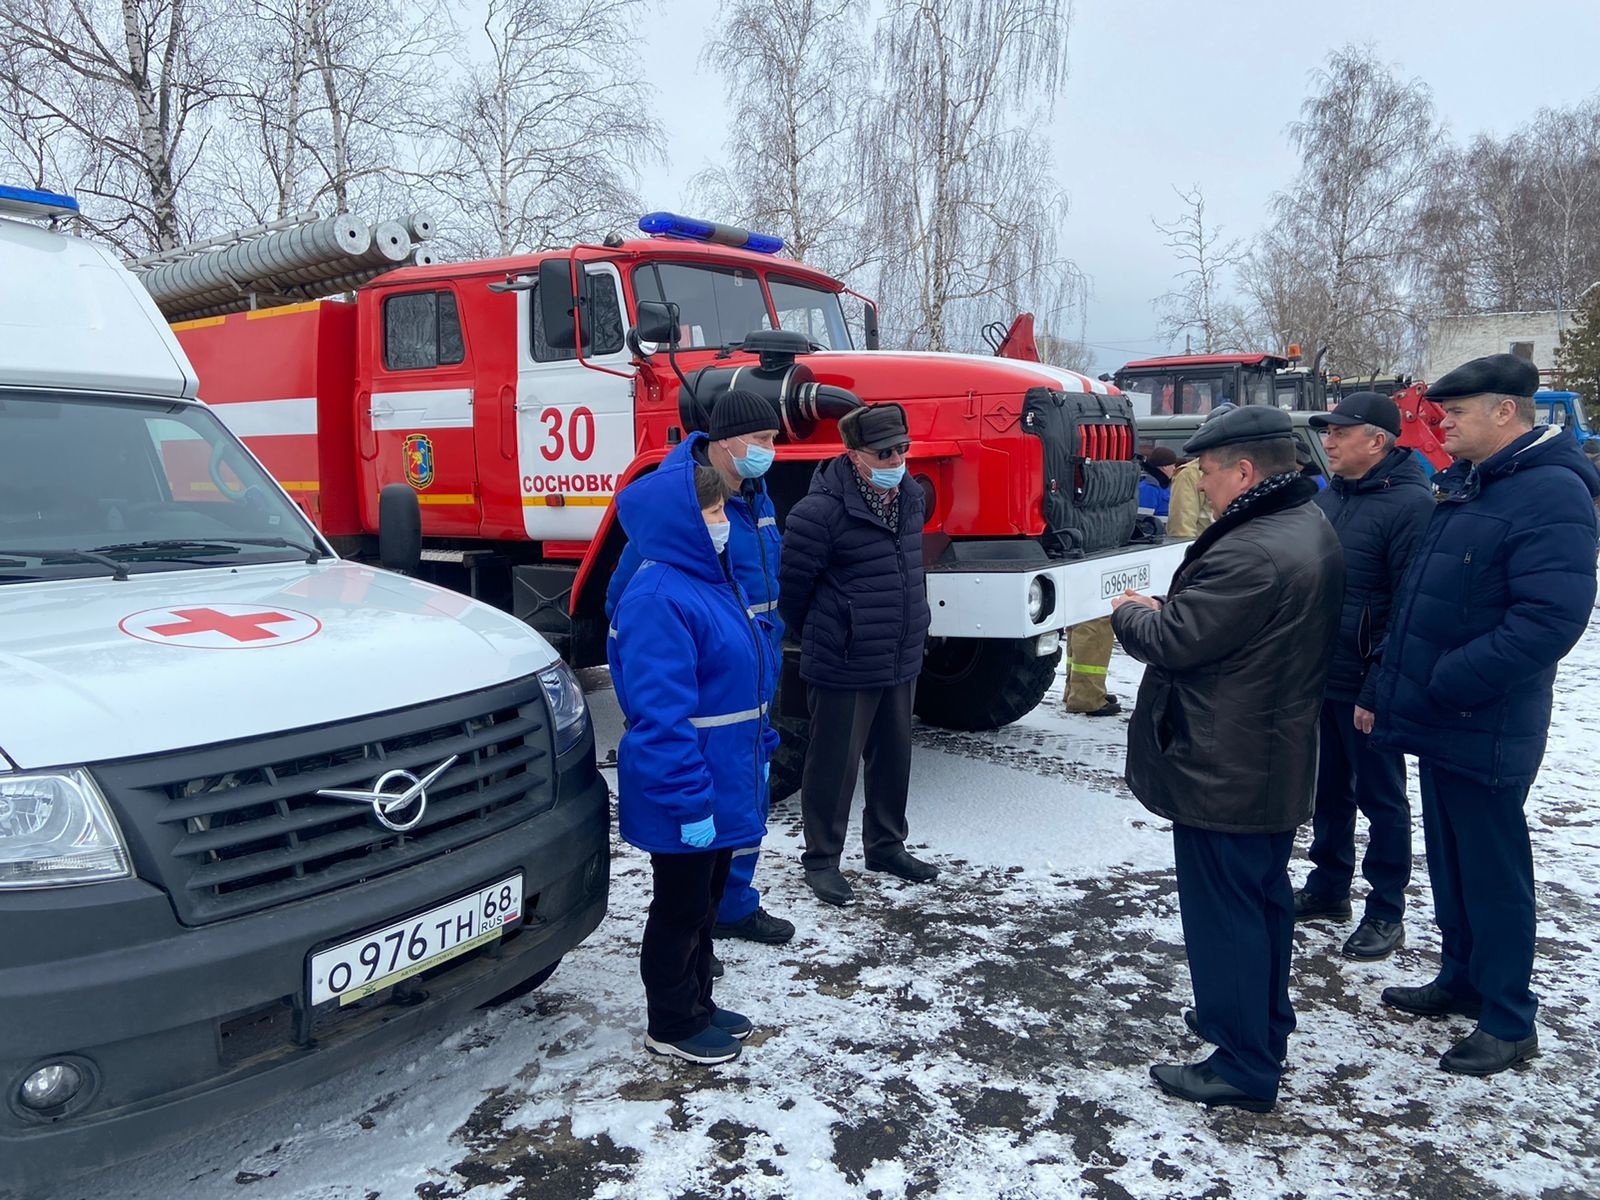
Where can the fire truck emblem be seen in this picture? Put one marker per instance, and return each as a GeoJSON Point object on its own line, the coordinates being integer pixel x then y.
{"type": "Point", "coordinates": [418, 452]}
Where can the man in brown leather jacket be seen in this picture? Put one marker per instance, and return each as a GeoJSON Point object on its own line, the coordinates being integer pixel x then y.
{"type": "Point", "coordinates": [1223, 741]}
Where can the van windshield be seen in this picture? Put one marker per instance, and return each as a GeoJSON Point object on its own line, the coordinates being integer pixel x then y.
{"type": "Point", "coordinates": [91, 484]}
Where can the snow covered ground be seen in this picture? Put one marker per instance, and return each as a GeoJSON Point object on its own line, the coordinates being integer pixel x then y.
{"type": "Point", "coordinates": [988, 1036]}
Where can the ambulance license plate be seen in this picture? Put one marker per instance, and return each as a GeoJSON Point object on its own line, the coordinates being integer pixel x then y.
{"type": "Point", "coordinates": [356, 969]}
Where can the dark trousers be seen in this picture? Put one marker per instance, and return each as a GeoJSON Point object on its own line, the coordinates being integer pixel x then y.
{"type": "Point", "coordinates": [1237, 906]}
{"type": "Point", "coordinates": [1353, 776]}
{"type": "Point", "coordinates": [675, 956]}
{"type": "Point", "coordinates": [848, 728]}
{"type": "Point", "coordinates": [1481, 865]}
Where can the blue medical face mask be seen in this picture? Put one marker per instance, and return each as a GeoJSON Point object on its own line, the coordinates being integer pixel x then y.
{"type": "Point", "coordinates": [757, 461]}
{"type": "Point", "coordinates": [719, 535]}
{"type": "Point", "coordinates": [888, 477]}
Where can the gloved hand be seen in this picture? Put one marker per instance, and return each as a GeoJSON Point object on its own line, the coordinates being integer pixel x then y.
{"type": "Point", "coordinates": [766, 772]}
{"type": "Point", "coordinates": [698, 834]}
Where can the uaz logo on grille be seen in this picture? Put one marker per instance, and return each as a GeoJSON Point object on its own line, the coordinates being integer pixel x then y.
{"type": "Point", "coordinates": [387, 802]}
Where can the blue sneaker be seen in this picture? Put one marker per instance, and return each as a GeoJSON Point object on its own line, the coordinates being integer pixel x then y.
{"type": "Point", "coordinates": [709, 1047]}
{"type": "Point", "coordinates": [735, 1025]}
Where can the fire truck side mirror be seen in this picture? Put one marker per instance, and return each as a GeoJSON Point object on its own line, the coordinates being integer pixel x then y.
{"type": "Point", "coordinates": [869, 325]}
{"type": "Point", "coordinates": [399, 529]}
{"type": "Point", "coordinates": [656, 321]}
{"type": "Point", "coordinates": [556, 303]}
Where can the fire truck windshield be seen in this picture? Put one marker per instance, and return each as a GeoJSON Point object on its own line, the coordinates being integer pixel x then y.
{"type": "Point", "coordinates": [155, 486]}
{"type": "Point", "coordinates": [811, 311]}
{"type": "Point", "coordinates": [717, 306]}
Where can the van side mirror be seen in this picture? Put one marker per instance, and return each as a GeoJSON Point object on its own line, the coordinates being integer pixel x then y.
{"type": "Point", "coordinates": [399, 529]}
{"type": "Point", "coordinates": [556, 304]}
{"type": "Point", "coordinates": [656, 321]}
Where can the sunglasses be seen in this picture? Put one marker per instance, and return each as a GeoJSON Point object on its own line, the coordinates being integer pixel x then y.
{"type": "Point", "coordinates": [889, 452]}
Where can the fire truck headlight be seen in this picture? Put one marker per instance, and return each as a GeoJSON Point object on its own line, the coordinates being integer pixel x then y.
{"type": "Point", "coordinates": [1041, 598]}
{"type": "Point", "coordinates": [55, 830]}
{"type": "Point", "coordinates": [567, 706]}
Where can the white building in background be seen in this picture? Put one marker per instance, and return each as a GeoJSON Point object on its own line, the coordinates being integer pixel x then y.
{"type": "Point", "coordinates": [1455, 340]}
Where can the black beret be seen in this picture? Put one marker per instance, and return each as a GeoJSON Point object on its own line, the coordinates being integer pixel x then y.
{"type": "Point", "coordinates": [740, 412]}
{"type": "Point", "coordinates": [1252, 423]}
{"type": "Point", "coordinates": [874, 427]}
{"type": "Point", "coordinates": [1499, 374]}
{"type": "Point", "coordinates": [1362, 408]}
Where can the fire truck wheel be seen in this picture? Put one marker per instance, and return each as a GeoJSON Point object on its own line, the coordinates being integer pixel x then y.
{"type": "Point", "coordinates": [982, 683]}
{"type": "Point", "coordinates": [790, 759]}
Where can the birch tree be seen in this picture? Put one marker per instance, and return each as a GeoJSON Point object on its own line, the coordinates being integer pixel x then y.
{"type": "Point", "coordinates": [960, 189]}
{"type": "Point", "coordinates": [539, 141]}
{"type": "Point", "coordinates": [129, 84]}
{"type": "Point", "coordinates": [793, 160]}
{"type": "Point", "coordinates": [1343, 236]}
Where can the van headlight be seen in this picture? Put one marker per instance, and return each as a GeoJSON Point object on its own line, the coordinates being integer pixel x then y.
{"type": "Point", "coordinates": [55, 830]}
{"type": "Point", "coordinates": [567, 705]}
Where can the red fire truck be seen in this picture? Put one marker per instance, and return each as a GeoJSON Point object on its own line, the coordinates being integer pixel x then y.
{"type": "Point", "coordinates": [514, 397]}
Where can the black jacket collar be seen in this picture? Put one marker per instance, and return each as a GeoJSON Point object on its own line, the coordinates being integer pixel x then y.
{"type": "Point", "coordinates": [1291, 495]}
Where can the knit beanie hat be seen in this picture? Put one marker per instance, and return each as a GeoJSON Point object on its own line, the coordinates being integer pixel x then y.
{"type": "Point", "coordinates": [740, 412]}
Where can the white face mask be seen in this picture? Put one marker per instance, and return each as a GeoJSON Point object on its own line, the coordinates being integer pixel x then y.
{"type": "Point", "coordinates": [719, 535]}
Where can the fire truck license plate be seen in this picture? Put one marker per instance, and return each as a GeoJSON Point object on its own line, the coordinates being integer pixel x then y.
{"type": "Point", "coordinates": [356, 969]}
{"type": "Point", "coordinates": [1114, 583]}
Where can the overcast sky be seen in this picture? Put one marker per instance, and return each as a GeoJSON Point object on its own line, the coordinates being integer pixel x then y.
{"type": "Point", "coordinates": [1166, 93]}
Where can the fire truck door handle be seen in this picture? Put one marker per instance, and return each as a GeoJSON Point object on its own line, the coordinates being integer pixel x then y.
{"type": "Point", "coordinates": [508, 421]}
{"type": "Point", "coordinates": [366, 436]}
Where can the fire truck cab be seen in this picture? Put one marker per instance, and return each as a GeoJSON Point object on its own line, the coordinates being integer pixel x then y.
{"type": "Point", "coordinates": [514, 397]}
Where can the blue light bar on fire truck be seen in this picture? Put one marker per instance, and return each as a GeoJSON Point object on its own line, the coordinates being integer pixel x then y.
{"type": "Point", "coordinates": [34, 205]}
{"type": "Point", "coordinates": [665, 224]}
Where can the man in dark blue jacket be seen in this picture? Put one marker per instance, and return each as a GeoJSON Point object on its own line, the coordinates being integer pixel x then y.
{"type": "Point", "coordinates": [1378, 504]}
{"type": "Point", "coordinates": [739, 444]}
{"type": "Point", "coordinates": [851, 587]}
{"type": "Point", "coordinates": [1500, 589]}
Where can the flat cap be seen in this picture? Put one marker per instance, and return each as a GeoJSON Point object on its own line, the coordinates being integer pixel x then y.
{"type": "Point", "coordinates": [874, 427]}
{"type": "Point", "coordinates": [1252, 423]}
{"type": "Point", "coordinates": [1499, 374]}
{"type": "Point", "coordinates": [1362, 408]}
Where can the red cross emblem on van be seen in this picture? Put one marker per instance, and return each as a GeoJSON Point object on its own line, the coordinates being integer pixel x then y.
{"type": "Point", "coordinates": [220, 626]}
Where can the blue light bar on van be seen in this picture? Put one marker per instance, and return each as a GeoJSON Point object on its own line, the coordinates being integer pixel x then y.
{"type": "Point", "coordinates": [665, 224]}
{"type": "Point", "coordinates": [33, 204]}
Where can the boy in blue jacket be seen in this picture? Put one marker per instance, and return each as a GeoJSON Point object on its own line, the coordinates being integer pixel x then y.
{"type": "Point", "coordinates": [693, 671]}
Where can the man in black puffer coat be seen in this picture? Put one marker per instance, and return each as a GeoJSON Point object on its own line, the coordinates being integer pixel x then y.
{"type": "Point", "coordinates": [1501, 587]}
{"type": "Point", "coordinates": [1378, 503]}
{"type": "Point", "coordinates": [851, 588]}
{"type": "Point", "coordinates": [1223, 741]}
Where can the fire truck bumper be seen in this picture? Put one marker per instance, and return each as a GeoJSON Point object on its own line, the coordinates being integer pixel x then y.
{"type": "Point", "coordinates": [1033, 599]}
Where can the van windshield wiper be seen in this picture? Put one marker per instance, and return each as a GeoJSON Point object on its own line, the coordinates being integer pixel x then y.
{"type": "Point", "coordinates": [161, 545]}
{"type": "Point", "coordinates": [119, 570]}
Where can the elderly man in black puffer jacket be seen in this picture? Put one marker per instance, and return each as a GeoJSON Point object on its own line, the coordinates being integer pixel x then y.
{"type": "Point", "coordinates": [1223, 742]}
{"type": "Point", "coordinates": [851, 588]}
{"type": "Point", "coordinates": [1378, 503]}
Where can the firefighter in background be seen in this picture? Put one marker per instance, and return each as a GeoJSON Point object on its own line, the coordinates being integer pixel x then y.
{"type": "Point", "coordinates": [739, 444]}
{"type": "Point", "coordinates": [1088, 657]}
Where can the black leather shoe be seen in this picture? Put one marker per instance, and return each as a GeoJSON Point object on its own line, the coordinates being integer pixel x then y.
{"type": "Point", "coordinates": [1110, 708]}
{"type": "Point", "coordinates": [1482, 1053]}
{"type": "Point", "coordinates": [1308, 906]}
{"type": "Point", "coordinates": [759, 926]}
{"type": "Point", "coordinates": [901, 863]}
{"type": "Point", "coordinates": [1198, 1082]}
{"type": "Point", "coordinates": [1375, 939]}
{"type": "Point", "coordinates": [1430, 1000]}
{"type": "Point", "coordinates": [830, 886]}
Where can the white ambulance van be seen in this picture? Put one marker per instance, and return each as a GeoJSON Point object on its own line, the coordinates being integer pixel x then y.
{"type": "Point", "coordinates": [264, 814]}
